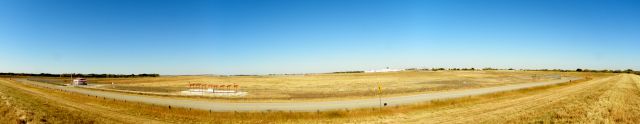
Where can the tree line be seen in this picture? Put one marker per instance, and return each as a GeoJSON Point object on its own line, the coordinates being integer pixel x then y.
{"type": "Point", "coordinates": [82, 75]}
{"type": "Point", "coordinates": [630, 71]}
{"type": "Point", "coordinates": [454, 69]}
{"type": "Point", "coordinates": [609, 71]}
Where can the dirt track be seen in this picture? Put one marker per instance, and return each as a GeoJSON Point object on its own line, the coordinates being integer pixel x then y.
{"type": "Point", "coordinates": [296, 106]}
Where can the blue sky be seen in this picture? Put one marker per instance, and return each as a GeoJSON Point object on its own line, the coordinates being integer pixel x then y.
{"type": "Point", "coordinates": [307, 36]}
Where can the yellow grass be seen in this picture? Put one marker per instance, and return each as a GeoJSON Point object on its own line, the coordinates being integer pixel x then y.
{"type": "Point", "coordinates": [331, 86]}
{"type": "Point", "coordinates": [21, 107]}
{"type": "Point", "coordinates": [605, 99]}
{"type": "Point", "coordinates": [105, 109]}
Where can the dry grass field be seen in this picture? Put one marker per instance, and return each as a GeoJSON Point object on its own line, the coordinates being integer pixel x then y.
{"type": "Point", "coordinates": [603, 98]}
{"type": "Point", "coordinates": [328, 86]}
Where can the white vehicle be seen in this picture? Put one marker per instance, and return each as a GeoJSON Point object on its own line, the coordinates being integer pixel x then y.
{"type": "Point", "coordinates": [79, 81]}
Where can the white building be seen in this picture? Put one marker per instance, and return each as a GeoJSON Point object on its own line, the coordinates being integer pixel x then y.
{"type": "Point", "coordinates": [383, 70]}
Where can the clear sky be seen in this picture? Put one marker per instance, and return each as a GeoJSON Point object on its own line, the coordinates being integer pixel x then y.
{"type": "Point", "coordinates": [307, 36]}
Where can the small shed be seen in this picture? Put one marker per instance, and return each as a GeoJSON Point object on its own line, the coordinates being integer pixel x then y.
{"type": "Point", "coordinates": [79, 81]}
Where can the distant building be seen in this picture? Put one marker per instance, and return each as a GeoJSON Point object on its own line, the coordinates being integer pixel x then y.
{"type": "Point", "coordinates": [79, 81]}
{"type": "Point", "coordinates": [383, 70]}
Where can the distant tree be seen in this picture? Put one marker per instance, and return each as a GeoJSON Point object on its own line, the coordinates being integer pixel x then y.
{"type": "Point", "coordinates": [579, 70]}
{"type": "Point", "coordinates": [489, 68]}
